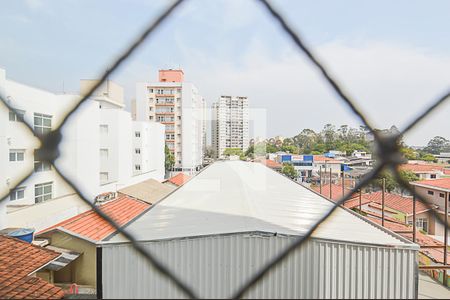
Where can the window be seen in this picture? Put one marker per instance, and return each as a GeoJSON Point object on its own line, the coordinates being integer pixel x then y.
{"type": "Point", "coordinates": [430, 193]}
{"type": "Point", "coordinates": [137, 134]}
{"type": "Point", "coordinates": [151, 117]}
{"type": "Point", "coordinates": [104, 153]}
{"type": "Point", "coordinates": [16, 155]}
{"type": "Point", "coordinates": [151, 108]}
{"type": "Point", "coordinates": [104, 129]}
{"type": "Point", "coordinates": [41, 166]}
{"type": "Point", "coordinates": [104, 177]}
{"type": "Point", "coordinates": [137, 151]}
{"type": "Point", "coordinates": [17, 194]}
{"type": "Point", "coordinates": [433, 176]}
{"type": "Point", "coordinates": [137, 167]}
{"type": "Point", "coordinates": [42, 123]}
{"type": "Point", "coordinates": [150, 90]}
{"type": "Point", "coordinates": [43, 192]}
{"type": "Point", "coordinates": [442, 195]}
{"type": "Point", "coordinates": [14, 117]}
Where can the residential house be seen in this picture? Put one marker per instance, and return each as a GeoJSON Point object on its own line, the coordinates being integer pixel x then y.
{"type": "Point", "coordinates": [83, 232]}
{"type": "Point", "coordinates": [437, 192]}
{"type": "Point", "coordinates": [424, 171]}
{"type": "Point", "coordinates": [20, 263]}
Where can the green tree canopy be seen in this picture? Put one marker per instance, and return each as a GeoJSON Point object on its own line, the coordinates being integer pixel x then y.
{"type": "Point", "coordinates": [233, 151]}
{"type": "Point", "coordinates": [169, 159]}
{"type": "Point", "coordinates": [289, 171]}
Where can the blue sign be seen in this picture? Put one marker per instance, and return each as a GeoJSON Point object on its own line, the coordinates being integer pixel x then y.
{"type": "Point", "coordinates": [345, 168]}
{"type": "Point", "coordinates": [286, 158]}
{"type": "Point", "coordinates": [308, 157]}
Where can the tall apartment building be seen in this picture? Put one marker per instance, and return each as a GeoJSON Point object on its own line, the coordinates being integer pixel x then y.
{"type": "Point", "coordinates": [179, 106]}
{"type": "Point", "coordinates": [230, 124]}
{"type": "Point", "coordinates": [102, 149]}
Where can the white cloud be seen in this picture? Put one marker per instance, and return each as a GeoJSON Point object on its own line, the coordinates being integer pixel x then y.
{"type": "Point", "coordinates": [391, 83]}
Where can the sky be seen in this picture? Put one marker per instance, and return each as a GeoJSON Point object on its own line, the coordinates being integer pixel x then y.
{"type": "Point", "coordinates": [392, 57]}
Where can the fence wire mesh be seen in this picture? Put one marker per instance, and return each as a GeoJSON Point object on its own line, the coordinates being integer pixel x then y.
{"type": "Point", "coordinates": [387, 147]}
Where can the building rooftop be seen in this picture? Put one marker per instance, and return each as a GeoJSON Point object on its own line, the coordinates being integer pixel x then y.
{"type": "Point", "coordinates": [419, 168]}
{"type": "Point", "coordinates": [323, 158]}
{"type": "Point", "coordinates": [397, 202]}
{"type": "Point", "coordinates": [440, 184]}
{"type": "Point", "coordinates": [18, 260]}
{"type": "Point", "coordinates": [336, 191]}
{"type": "Point", "coordinates": [90, 226]}
{"type": "Point", "coordinates": [178, 179]}
{"type": "Point", "coordinates": [149, 190]}
{"type": "Point", "coordinates": [241, 197]}
{"type": "Point", "coordinates": [270, 163]}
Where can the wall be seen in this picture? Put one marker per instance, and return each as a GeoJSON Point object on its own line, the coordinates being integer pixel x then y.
{"type": "Point", "coordinates": [46, 214]}
{"type": "Point", "coordinates": [13, 135]}
{"type": "Point", "coordinates": [84, 267]}
{"type": "Point", "coordinates": [216, 266]}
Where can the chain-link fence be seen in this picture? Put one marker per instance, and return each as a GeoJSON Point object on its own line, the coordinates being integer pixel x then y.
{"type": "Point", "coordinates": [387, 148]}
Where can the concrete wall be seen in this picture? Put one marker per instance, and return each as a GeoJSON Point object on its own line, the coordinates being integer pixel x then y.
{"type": "Point", "coordinates": [43, 215]}
{"type": "Point", "coordinates": [13, 135]}
{"type": "Point", "coordinates": [83, 269]}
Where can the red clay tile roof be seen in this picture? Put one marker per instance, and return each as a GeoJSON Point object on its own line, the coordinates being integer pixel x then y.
{"type": "Point", "coordinates": [179, 179]}
{"type": "Point", "coordinates": [19, 259]}
{"type": "Point", "coordinates": [321, 158]}
{"type": "Point", "coordinates": [443, 183]}
{"type": "Point", "coordinates": [91, 226]}
{"type": "Point", "coordinates": [419, 168]}
{"type": "Point", "coordinates": [271, 164]}
{"type": "Point", "coordinates": [437, 254]}
{"type": "Point", "coordinates": [336, 191]}
{"type": "Point", "coordinates": [394, 201]}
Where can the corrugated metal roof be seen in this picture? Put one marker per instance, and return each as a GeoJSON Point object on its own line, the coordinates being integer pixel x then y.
{"type": "Point", "coordinates": [235, 196]}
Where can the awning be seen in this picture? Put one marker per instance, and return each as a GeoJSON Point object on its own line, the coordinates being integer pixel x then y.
{"type": "Point", "coordinates": [67, 256]}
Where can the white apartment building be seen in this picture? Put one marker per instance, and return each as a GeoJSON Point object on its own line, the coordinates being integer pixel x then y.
{"type": "Point", "coordinates": [230, 124]}
{"type": "Point", "coordinates": [178, 105]}
{"type": "Point", "coordinates": [87, 154]}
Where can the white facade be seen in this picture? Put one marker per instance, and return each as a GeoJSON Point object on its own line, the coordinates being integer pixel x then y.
{"type": "Point", "coordinates": [230, 124]}
{"type": "Point", "coordinates": [180, 107]}
{"type": "Point", "coordinates": [85, 151]}
{"type": "Point", "coordinates": [214, 235]}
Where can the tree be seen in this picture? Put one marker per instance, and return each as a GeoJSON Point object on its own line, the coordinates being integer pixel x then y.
{"type": "Point", "coordinates": [290, 149]}
{"type": "Point", "coordinates": [408, 175]}
{"type": "Point", "coordinates": [391, 182]}
{"type": "Point", "coordinates": [409, 153]}
{"type": "Point", "coordinates": [169, 159]}
{"type": "Point", "coordinates": [428, 157]}
{"type": "Point", "coordinates": [437, 145]}
{"type": "Point", "coordinates": [233, 151]}
{"type": "Point", "coordinates": [289, 171]}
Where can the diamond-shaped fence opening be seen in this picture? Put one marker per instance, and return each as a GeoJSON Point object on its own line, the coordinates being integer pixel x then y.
{"type": "Point", "coordinates": [389, 156]}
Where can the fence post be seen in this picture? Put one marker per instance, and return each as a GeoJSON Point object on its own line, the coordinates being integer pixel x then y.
{"type": "Point", "coordinates": [320, 179]}
{"type": "Point", "coordinates": [330, 185]}
{"type": "Point", "coordinates": [382, 202]}
{"type": "Point", "coordinates": [414, 214]}
{"type": "Point", "coordinates": [360, 201]}
{"type": "Point", "coordinates": [444, 277]}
